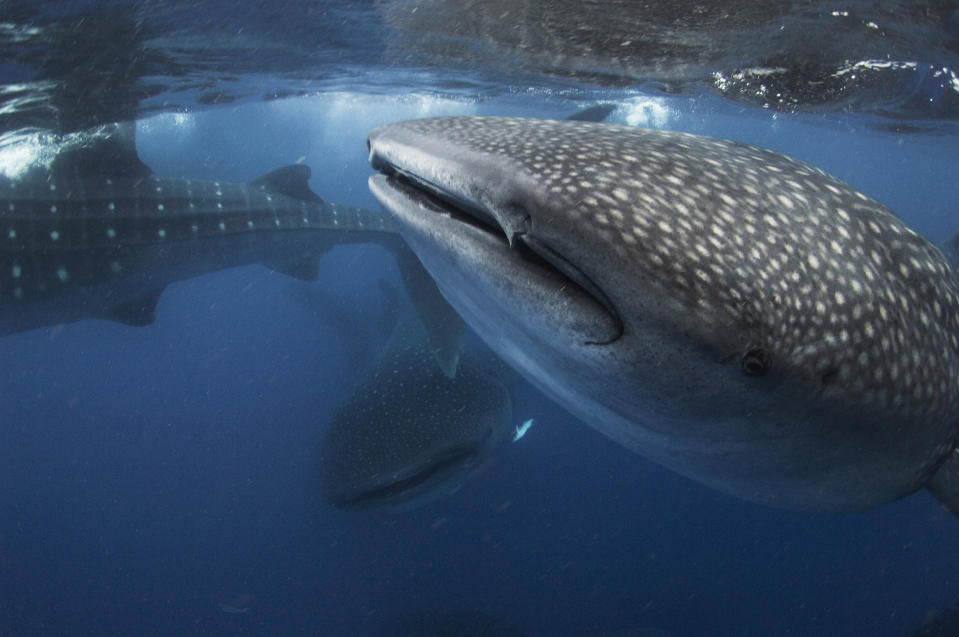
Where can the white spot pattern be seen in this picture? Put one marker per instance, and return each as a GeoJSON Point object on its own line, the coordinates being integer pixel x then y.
{"type": "Point", "coordinates": [826, 279]}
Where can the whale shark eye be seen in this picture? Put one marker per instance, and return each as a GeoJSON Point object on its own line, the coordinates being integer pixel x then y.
{"type": "Point", "coordinates": [756, 362]}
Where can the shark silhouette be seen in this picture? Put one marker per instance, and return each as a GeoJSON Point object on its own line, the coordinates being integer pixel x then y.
{"type": "Point", "coordinates": [93, 233]}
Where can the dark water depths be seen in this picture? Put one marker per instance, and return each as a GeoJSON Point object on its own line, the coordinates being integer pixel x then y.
{"type": "Point", "coordinates": [157, 480]}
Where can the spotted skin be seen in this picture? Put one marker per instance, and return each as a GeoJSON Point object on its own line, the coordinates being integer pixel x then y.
{"type": "Point", "coordinates": [106, 246]}
{"type": "Point", "coordinates": [54, 234]}
{"type": "Point", "coordinates": [409, 434]}
{"type": "Point", "coordinates": [781, 336]}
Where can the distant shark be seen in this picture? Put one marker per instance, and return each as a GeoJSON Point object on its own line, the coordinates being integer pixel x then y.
{"type": "Point", "coordinates": [736, 315]}
{"type": "Point", "coordinates": [94, 234]}
{"type": "Point", "coordinates": [410, 434]}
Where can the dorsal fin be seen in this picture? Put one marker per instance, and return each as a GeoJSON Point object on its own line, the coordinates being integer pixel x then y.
{"type": "Point", "coordinates": [109, 152]}
{"type": "Point", "coordinates": [290, 181]}
{"type": "Point", "coordinates": [597, 113]}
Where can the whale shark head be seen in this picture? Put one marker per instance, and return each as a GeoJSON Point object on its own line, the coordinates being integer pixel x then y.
{"type": "Point", "coordinates": [410, 434]}
{"type": "Point", "coordinates": [733, 314]}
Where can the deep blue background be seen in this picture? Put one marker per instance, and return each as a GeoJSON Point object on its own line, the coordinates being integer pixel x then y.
{"type": "Point", "coordinates": [150, 474]}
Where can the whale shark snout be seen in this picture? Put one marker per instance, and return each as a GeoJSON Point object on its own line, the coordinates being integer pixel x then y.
{"type": "Point", "coordinates": [736, 315]}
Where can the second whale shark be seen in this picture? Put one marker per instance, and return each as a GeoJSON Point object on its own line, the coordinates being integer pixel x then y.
{"type": "Point", "coordinates": [93, 233]}
{"type": "Point", "coordinates": [733, 314]}
{"type": "Point", "coordinates": [410, 434]}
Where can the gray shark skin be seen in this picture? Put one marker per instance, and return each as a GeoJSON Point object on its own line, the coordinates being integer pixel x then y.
{"type": "Point", "coordinates": [409, 434]}
{"type": "Point", "coordinates": [730, 313]}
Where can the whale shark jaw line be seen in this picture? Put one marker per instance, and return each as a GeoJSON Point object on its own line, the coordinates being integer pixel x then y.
{"type": "Point", "coordinates": [511, 236]}
{"type": "Point", "coordinates": [414, 480]}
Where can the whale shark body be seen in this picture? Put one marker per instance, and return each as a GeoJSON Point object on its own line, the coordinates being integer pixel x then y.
{"type": "Point", "coordinates": [77, 242]}
{"type": "Point", "coordinates": [733, 314]}
{"type": "Point", "coordinates": [410, 434]}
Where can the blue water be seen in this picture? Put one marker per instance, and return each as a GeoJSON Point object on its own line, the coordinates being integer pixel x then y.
{"type": "Point", "coordinates": [151, 475]}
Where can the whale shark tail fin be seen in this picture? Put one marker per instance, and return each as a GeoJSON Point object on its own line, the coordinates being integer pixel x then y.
{"type": "Point", "coordinates": [944, 484]}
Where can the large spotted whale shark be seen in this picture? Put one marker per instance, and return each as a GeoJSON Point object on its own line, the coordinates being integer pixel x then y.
{"type": "Point", "coordinates": [736, 315]}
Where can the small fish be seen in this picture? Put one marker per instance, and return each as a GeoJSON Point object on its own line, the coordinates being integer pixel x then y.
{"type": "Point", "coordinates": [522, 429]}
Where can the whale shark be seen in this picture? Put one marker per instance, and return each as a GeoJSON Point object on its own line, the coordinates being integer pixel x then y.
{"type": "Point", "coordinates": [91, 232]}
{"type": "Point", "coordinates": [735, 315]}
{"type": "Point", "coordinates": [409, 434]}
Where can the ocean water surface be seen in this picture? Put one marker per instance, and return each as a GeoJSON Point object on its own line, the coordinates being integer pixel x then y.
{"type": "Point", "coordinates": [162, 480]}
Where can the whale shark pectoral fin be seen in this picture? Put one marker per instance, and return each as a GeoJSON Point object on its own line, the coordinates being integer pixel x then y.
{"type": "Point", "coordinates": [291, 181]}
{"type": "Point", "coordinates": [135, 312]}
{"type": "Point", "coordinates": [392, 299]}
{"type": "Point", "coordinates": [305, 269]}
{"type": "Point", "coordinates": [444, 327]}
{"type": "Point", "coordinates": [944, 483]}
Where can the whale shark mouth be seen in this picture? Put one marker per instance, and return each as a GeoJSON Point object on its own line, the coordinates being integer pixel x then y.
{"type": "Point", "coordinates": [526, 249]}
{"type": "Point", "coordinates": [441, 201]}
{"type": "Point", "coordinates": [412, 481]}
